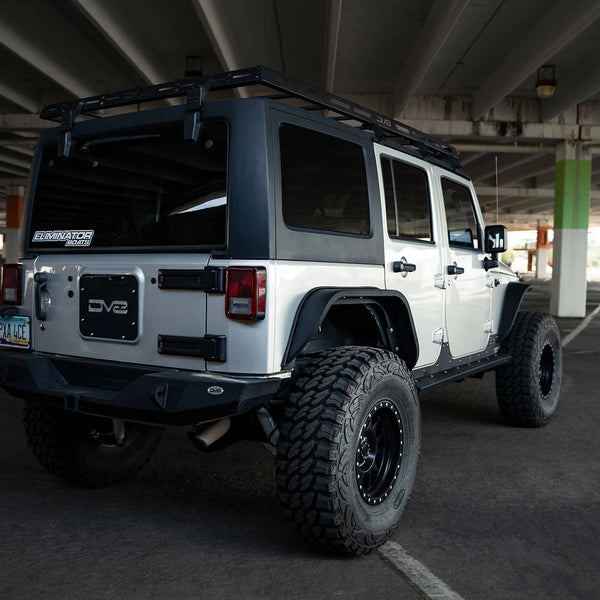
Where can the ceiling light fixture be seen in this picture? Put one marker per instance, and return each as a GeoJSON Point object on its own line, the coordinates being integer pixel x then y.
{"type": "Point", "coordinates": [546, 81]}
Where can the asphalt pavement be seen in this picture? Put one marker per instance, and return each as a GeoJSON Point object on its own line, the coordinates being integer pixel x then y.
{"type": "Point", "coordinates": [497, 512]}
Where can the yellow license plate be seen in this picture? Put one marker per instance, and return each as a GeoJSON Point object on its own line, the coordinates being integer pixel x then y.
{"type": "Point", "coordinates": [14, 332]}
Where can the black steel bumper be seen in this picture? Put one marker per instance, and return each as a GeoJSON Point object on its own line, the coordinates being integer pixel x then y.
{"type": "Point", "coordinates": [167, 397]}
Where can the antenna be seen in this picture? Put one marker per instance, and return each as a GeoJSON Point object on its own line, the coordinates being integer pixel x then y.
{"type": "Point", "coordinates": [497, 201]}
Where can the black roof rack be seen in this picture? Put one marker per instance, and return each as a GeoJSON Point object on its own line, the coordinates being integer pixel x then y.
{"type": "Point", "coordinates": [385, 129]}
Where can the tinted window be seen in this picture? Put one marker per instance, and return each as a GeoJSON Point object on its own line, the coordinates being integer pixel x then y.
{"type": "Point", "coordinates": [324, 182]}
{"type": "Point", "coordinates": [463, 230]}
{"type": "Point", "coordinates": [142, 187]}
{"type": "Point", "coordinates": [406, 200]}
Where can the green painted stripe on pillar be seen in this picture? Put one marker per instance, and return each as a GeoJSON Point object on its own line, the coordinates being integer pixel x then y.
{"type": "Point", "coordinates": [572, 186]}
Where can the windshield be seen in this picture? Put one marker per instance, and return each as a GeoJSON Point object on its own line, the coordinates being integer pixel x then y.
{"type": "Point", "coordinates": [136, 188]}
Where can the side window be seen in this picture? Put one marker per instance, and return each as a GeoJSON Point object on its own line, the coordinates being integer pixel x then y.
{"type": "Point", "coordinates": [463, 229]}
{"type": "Point", "coordinates": [324, 182]}
{"type": "Point", "coordinates": [407, 204]}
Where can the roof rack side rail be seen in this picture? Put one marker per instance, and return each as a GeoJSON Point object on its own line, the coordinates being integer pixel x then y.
{"type": "Point", "coordinates": [384, 127]}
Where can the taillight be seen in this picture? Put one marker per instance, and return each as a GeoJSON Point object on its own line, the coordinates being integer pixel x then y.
{"type": "Point", "coordinates": [12, 284]}
{"type": "Point", "coordinates": [246, 293]}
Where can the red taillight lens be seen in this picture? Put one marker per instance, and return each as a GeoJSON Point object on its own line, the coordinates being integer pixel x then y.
{"type": "Point", "coordinates": [246, 293]}
{"type": "Point", "coordinates": [12, 284]}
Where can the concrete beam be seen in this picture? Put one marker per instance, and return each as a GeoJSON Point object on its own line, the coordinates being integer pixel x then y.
{"type": "Point", "coordinates": [111, 29]}
{"type": "Point", "coordinates": [522, 192]}
{"type": "Point", "coordinates": [22, 122]}
{"type": "Point", "coordinates": [573, 89]}
{"type": "Point", "coordinates": [35, 56]}
{"type": "Point", "coordinates": [498, 131]}
{"type": "Point", "coordinates": [557, 26]}
{"type": "Point", "coordinates": [7, 158]}
{"type": "Point", "coordinates": [18, 98]}
{"type": "Point", "coordinates": [541, 167]}
{"type": "Point", "coordinates": [514, 148]}
{"type": "Point", "coordinates": [15, 142]}
{"type": "Point", "coordinates": [522, 161]}
{"type": "Point", "coordinates": [221, 38]}
{"type": "Point", "coordinates": [490, 190]}
{"type": "Point", "coordinates": [7, 171]}
{"type": "Point", "coordinates": [475, 156]}
{"type": "Point", "coordinates": [333, 36]}
{"type": "Point", "coordinates": [441, 20]}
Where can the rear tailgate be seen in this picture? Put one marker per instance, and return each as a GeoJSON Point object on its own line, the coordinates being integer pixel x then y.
{"type": "Point", "coordinates": [115, 308]}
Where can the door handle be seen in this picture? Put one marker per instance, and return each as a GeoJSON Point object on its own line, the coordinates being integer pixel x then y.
{"type": "Point", "coordinates": [401, 266]}
{"type": "Point", "coordinates": [454, 269]}
{"type": "Point", "coordinates": [41, 280]}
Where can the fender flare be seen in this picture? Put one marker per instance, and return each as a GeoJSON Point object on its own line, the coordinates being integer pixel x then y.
{"type": "Point", "coordinates": [315, 305]}
{"type": "Point", "coordinates": [512, 301]}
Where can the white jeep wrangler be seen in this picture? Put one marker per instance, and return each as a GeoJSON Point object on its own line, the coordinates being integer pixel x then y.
{"type": "Point", "coordinates": [293, 261]}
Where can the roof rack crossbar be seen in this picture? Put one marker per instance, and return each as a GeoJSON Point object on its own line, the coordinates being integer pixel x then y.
{"type": "Point", "coordinates": [288, 87]}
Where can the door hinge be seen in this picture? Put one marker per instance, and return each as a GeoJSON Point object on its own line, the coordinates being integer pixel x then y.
{"type": "Point", "coordinates": [439, 336]}
{"type": "Point", "coordinates": [439, 280]}
{"type": "Point", "coordinates": [488, 326]}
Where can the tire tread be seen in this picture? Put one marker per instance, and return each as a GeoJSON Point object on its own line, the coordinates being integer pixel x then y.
{"type": "Point", "coordinates": [307, 455]}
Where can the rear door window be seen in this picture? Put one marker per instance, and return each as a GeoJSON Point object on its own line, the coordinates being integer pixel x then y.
{"type": "Point", "coordinates": [407, 204]}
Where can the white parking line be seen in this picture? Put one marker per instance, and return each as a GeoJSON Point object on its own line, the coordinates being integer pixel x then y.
{"type": "Point", "coordinates": [571, 336]}
{"type": "Point", "coordinates": [417, 573]}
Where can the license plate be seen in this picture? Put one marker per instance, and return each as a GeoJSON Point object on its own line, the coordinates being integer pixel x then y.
{"type": "Point", "coordinates": [14, 331]}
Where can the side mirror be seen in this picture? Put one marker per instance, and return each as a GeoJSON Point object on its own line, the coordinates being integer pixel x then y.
{"type": "Point", "coordinates": [496, 239]}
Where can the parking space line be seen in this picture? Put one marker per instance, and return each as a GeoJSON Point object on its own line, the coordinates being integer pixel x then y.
{"type": "Point", "coordinates": [417, 573]}
{"type": "Point", "coordinates": [571, 336]}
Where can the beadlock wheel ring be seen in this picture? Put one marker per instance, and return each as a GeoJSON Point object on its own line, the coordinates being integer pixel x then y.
{"type": "Point", "coordinates": [379, 452]}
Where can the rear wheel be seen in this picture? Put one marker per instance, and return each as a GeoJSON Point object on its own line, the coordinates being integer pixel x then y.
{"type": "Point", "coordinates": [88, 451]}
{"type": "Point", "coordinates": [348, 448]}
{"type": "Point", "coordinates": [528, 386]}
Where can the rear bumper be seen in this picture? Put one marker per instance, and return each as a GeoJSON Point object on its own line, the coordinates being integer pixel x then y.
{"type": "Point", "coordinates": [167, 397]}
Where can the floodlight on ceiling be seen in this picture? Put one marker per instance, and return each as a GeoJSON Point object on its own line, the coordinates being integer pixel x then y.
{"type": "Point", "coordinates": [546, 81]}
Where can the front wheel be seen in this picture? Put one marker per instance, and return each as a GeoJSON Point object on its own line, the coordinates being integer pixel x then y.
{"type": "Point", "coordinates": [85, 450]}
{"type": "Point", "coordinates": [348, 448]}
{"type": "Point", "coordinates": [528, 386]}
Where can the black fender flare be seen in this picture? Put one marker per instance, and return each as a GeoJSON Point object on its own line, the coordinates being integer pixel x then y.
{"type": "Point", "coordinates": [315, 305]}
{"type": "Point", "coordinates": [512, 301]}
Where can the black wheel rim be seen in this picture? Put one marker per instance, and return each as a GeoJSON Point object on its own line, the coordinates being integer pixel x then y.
{"type": "Point", "coordinates": [546, 370]}
{"type": "Point", "coordinates": [379, 452]}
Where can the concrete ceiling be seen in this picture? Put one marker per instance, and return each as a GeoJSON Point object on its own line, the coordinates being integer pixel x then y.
{"type": "Point", "coordinates": [464, 70]}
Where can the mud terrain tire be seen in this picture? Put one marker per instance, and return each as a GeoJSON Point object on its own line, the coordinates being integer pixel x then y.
{"type": "Point", "coordinates": [528, 386]}
{"type": "Point", "coordinates": [348, 448]}
{"type": "Point", "coordinates": [82, 449]}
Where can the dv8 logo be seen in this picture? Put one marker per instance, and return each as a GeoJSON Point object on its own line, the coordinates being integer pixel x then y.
{"type": "Point", "coordinates": [118, 307]}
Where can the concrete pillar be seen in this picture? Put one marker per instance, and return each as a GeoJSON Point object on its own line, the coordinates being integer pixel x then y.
{"type": "Point", "coordinates": [541, 262]}
{"type": "Point", "coordinates": [15, 198]}
{"type": "Point", "coordinates": [572, 185]}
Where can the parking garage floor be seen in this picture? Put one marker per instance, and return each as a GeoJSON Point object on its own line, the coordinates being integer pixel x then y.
{"type": "Point", "coordinates": [497, 512]}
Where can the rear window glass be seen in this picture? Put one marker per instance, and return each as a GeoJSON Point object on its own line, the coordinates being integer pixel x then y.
{"type": "Point", "coordinates": [324, 182]}
{"type": "Point", "coordinates": [136, 188]}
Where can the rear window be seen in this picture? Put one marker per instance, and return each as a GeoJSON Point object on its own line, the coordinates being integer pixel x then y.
{"type": "Point", "coordinates": [139, 188]}
{"type": "Point", "coordinates": [324, 182]}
